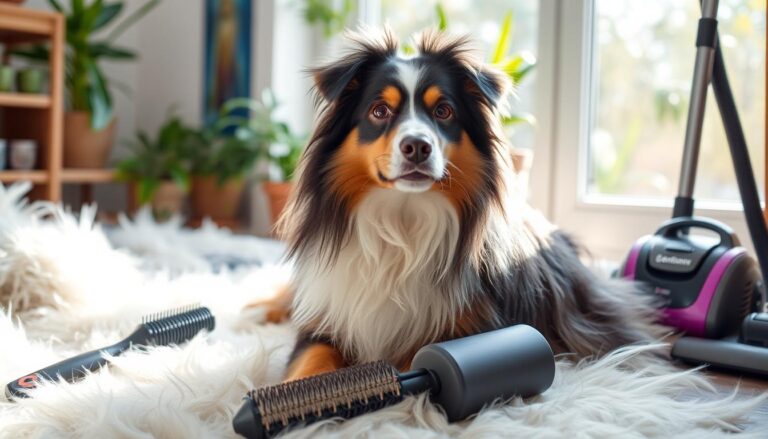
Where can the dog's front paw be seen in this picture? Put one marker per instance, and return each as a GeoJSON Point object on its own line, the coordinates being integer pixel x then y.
{"type": "Point", "coordinates": [276, 309]}
{"type": "Point", "coordinates": [269, 310]}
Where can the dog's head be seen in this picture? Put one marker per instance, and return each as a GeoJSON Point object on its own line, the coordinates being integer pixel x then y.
{"type": "Point", "coordinates": [412, 124]}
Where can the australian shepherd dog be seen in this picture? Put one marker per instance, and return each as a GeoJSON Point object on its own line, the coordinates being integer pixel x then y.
{"type": "Point", "coordinates": [406, 228]}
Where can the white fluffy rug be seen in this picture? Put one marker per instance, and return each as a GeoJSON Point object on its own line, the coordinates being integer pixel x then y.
{"type": "Point", "coordinates": [66, 288]}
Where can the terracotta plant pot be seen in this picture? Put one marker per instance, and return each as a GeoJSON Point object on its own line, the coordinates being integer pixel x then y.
{"type": "Point", "coordinates": [168, 200]}
{"type": "Point", "coordinates": [17, 2]}
{"type": "Point", "coordinates": [278, 194]}
{"type": "Point", "coordinates": [522, 161]}
{"type": "Point", "coordinates": [209, 199]}
{"type": "Point", "coordinates": [84, 147]}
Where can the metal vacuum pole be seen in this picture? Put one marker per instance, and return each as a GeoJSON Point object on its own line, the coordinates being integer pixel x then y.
{"type": "Point", "coordinates": [702, 75]}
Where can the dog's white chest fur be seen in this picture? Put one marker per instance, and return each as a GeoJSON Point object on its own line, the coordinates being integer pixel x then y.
{"type": "Point", "coordinates": [386, 292]}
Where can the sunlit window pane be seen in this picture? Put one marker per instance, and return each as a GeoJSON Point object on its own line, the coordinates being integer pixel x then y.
{"type": "Point", "coordinates": [481, 20]}
{"type": "Point", "coordinates": [644, 54]}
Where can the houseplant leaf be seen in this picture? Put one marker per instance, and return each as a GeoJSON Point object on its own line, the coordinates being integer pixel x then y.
{"type": "Point", "coordinates": [146, 189]}
{"type": "Point", "coordinates": [501, 44]}
{"type": "Point", "coordinates": [108, 13]}
{"type": "Point", "coordinates": [98, 98]}
{"type": "Point", "coordinates": [56, 5]}
{"type": "Point", "coordinates": [442, 19]}
{"type": "Point", "coordinates": [137, 15]}
{"type": "Point", "coordinates": [105, 50]}
{"type": "Point", "coordinates": [519, 118]}
{"type": "Point", "coordinates": [90, 14]}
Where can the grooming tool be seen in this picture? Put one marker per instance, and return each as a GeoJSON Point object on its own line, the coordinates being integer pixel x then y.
{"type": "Point", "coordinates": [708, 285]}
{"type": "Point", "coordinates": [166, 328]}
{"type": "Point", "coordinates": [460, 375]}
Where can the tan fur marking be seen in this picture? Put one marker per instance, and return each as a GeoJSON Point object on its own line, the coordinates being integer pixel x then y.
{"type": "Point", "coordinates": [465, 169]}
{"type": "Point", "coordinates": [391, 95]}
{"type": "Point", "coordinates": [316, 359]}
{"type": "Point", "coordinates": [432, 95]}
{"type": "Point", "coordinates": [356, 166]}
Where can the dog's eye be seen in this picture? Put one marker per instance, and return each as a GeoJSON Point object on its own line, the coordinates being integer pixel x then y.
{"type": "Point", "coordinates": [443, 111]}
{"type": "Point", "coordinates": [381, 111]}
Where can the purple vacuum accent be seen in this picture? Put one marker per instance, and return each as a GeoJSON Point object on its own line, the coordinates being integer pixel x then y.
{"type": "Point", "coordinates": [693, 319]}
{"type": "Point", "coordinates": [631, 266]}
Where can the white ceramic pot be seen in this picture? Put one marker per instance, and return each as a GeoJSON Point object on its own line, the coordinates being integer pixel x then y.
{"type": "Point", "coordinates": [22, 154]}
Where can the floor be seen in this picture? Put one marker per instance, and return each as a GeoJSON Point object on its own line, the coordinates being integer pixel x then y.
{"type": "Point", "coordinates": [725, 384]}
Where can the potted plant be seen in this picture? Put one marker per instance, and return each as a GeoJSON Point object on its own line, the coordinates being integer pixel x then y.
{"type": "Point", "coordinates": [219, 168]}
{"type": "Point", "coordinates": [158, 168]}
{"type": "Point", "coordinates": [89, 122]}
{"type": "Point", "coordinates": [283, 156]}
{"type": "Point", "coordinates": [244, 133]}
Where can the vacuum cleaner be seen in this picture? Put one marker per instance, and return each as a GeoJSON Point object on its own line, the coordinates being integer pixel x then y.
{"type": "Point", "coordinates": [710, 288]}
{"type": "Point", "coordinates": [460, 375]}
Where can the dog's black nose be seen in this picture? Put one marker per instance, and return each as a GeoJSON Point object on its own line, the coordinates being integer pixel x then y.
{"type": "Point", "coordinates": [415, 149]}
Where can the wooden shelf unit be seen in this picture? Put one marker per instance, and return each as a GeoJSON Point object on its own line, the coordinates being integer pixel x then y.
{"type": "Point", "coordinates": [36, 116]}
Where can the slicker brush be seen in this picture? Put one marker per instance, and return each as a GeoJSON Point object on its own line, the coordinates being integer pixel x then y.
{"type": "Point", "coordinates": [460, 375]}
{"type": "Point", "coordinates": [161, 329]}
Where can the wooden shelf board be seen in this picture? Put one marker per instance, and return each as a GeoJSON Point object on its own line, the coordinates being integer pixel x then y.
{"type": "Point", "coordinates": [25, 100]}
{"type": "Point", "coordinates": [13, 37]}
{"type": "Point", "coordinates": [35, 176]}
{"type": "Point", "coordinates": [88, 175]}
{"type": "Point", "coordinates": [25, 25]}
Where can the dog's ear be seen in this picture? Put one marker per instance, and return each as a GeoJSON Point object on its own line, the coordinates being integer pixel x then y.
{"type": "Point", "coordinates": [488, 84]}
{"type": "Point", "coordinates": [334, 79]}
{"type": "Point", "coordinates": [368, 47]}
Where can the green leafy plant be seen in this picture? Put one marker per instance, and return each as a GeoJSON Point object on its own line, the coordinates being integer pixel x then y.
{"type": "Point", "coordinates": [87, 88]}
{"type": "Point", "coordinates": [159, 159]}
{"type": "Point", "coordinates": [323, 13]}
{"type": "Point", "coordinates": [245, 132]}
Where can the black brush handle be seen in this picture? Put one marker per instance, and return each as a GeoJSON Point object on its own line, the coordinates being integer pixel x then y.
{"type": "Point", "coordinates": [70, 369]}
{"type": "Point", "coordinates": [163, 329]}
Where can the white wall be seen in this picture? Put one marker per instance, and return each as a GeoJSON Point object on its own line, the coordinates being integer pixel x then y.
{"type": "Point", "coordinates": [293, 54]}
{"type": "Point", "coordinates": [169, 73]}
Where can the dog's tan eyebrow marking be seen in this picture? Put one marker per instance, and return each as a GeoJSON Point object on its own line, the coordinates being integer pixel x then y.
{"type": "Point", "coordinates": [391, 95]}
{"type": "Point", "coordinates": [432, 95]}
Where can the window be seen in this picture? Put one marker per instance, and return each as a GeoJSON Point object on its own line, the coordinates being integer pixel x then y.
{"type": "Point", "coordinates": [622, 81]}
{"type": "Point", "coordinates": [482, 21]}
{"type": "Point", "coordinates": [643, 56]}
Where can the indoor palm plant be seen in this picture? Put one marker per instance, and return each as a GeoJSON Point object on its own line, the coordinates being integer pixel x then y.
{"type": "Point", "coordinates": [158, 167]}
{"type": "Point", "coordinates": [89, 123]}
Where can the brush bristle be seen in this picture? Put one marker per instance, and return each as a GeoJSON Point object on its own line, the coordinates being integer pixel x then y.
{"type": "Point", "coordinates": [178, 325]}
{"type": "Point", "coordinates": [344, 393]}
